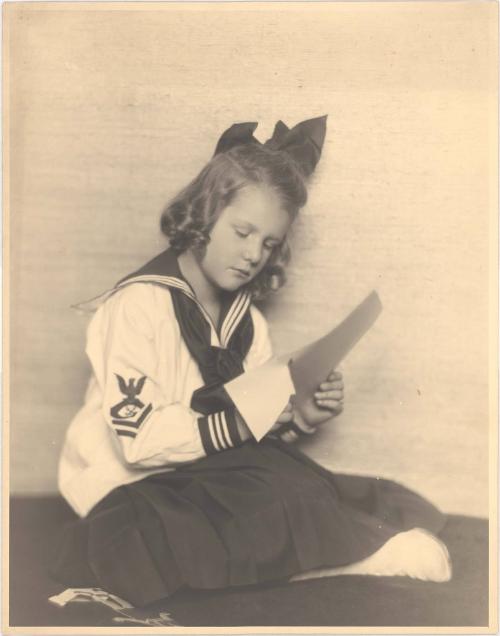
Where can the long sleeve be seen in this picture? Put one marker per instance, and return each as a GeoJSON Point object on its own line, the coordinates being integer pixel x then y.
{"type": "Point", "coordinates": [152, 428]}
{"type": "Point", "coordinates": [136, 419]}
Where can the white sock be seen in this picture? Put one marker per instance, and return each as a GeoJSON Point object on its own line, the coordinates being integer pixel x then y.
{"type": "Point", "coordinates": [415, 553]}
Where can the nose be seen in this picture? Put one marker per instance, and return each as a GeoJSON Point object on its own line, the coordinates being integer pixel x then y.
{"type": "Point", "coordinates": [253, 252]}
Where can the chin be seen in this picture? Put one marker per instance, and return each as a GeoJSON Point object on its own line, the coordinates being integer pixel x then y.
{"type": "Point", "coordinates": [233, 284]}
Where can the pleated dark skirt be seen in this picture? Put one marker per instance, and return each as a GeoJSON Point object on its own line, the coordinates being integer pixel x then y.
{"type": "Point", "coordinates": [256, 513]}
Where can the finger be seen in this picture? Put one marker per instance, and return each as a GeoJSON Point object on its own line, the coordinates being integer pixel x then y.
{"type": "Point", "coordinates": [335, 375]}
{"type": "Point", "coordinates": [331, 405]}
{"type": "Point", "coordinates": [289, 437]}
{"type": "Point", "coordinates": [285, 417]}
{"type": "Point", "coordinates": [305, 427]}
{"type": "Point", "coordinates": [326, 395]}
{"type": "Point", "coordinates": [336, 384]}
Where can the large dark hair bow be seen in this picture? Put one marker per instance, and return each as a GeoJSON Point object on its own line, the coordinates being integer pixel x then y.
{"type": "Point", "coordinates": [303, 142]}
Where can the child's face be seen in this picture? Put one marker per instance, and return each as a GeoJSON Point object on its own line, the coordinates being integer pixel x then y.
{"type": "Point", "coordinates": [243, 237]}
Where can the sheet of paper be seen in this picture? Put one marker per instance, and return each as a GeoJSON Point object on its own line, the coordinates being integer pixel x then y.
{"type": "Point", "coordinates": [310, 366]}
{"type": "Point", "coordinates": [261, 394]}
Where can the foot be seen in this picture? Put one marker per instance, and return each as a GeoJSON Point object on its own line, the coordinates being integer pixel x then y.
{"type": "Point", "coordinates": [416, 553]}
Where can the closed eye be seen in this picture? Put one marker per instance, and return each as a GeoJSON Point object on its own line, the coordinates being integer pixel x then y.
{"type": "Point", "coordinates": [242, 233]}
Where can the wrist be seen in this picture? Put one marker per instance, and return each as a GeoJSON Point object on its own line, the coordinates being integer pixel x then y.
{"type": "Point", "coordinates": [301, 423]}
{"type": "Point", "coordinates": [297, 418]}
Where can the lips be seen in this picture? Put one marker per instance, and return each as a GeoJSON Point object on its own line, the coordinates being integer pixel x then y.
{"type": "Point", "coordinates": [245, 273]}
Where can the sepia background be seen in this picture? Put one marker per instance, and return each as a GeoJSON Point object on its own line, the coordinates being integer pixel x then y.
{"type": "Point", "coordinates": [112, 110]}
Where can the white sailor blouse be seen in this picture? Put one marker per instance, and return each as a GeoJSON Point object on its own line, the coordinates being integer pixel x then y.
{"type": "Point", "coordinates": [155, 399]}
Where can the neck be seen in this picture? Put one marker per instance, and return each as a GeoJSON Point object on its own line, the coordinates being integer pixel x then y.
{"type": "Point", "coordinates": [207, 293]}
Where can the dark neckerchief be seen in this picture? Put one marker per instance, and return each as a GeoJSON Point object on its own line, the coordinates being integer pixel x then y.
{"type": "Point", "coordinates": [217, 364]}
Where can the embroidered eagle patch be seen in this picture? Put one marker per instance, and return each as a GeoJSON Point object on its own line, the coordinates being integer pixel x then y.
{"type": "Point", "coordinates": [131, 410]}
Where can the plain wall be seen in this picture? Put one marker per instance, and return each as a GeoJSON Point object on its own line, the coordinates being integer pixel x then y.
{"type": "Point", "coordinates": [112, 110]}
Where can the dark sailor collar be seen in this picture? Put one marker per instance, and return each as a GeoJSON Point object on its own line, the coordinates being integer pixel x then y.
{"type": "Point", "coordinates": [164, 270]}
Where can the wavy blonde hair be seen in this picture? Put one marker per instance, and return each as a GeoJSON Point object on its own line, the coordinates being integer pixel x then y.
{"type": "Point", "coordinates": [189, 218]}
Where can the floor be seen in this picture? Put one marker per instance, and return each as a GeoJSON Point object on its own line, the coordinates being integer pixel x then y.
{"type": "Point", "coordinates": [338, 601]}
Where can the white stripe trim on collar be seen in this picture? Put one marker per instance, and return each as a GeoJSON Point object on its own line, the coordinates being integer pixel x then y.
{"type": "Point", "coordinates": [170, 281]}
{"type": "Point", "coordinates": [232, 319]}
{"type": "Point", "coordinates": [234, 316]}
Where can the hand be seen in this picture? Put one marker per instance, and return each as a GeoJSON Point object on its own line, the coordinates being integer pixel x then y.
{"type": "Point", "coordinates": [289, 414]}
{"type": "Point", "coordinates": [330, 394]}
{"type": "Point", "coordinates": [285, 417]}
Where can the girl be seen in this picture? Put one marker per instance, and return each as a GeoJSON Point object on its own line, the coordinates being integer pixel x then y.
{"type": "Point", "coordinates": [171, 487]}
